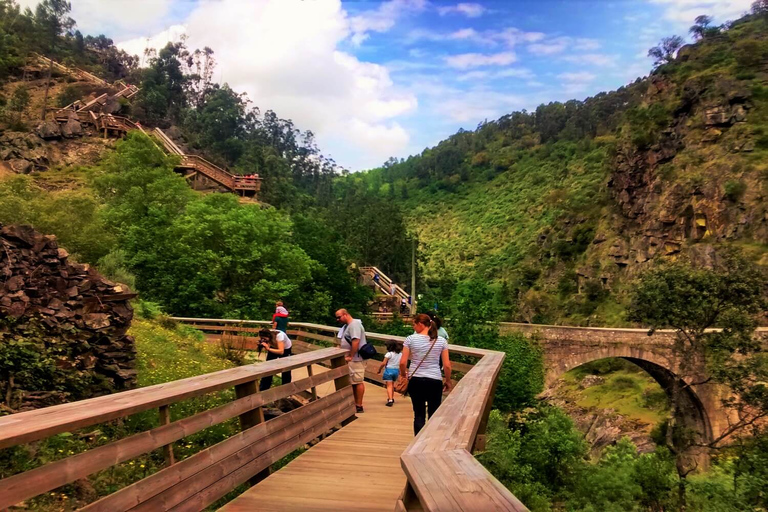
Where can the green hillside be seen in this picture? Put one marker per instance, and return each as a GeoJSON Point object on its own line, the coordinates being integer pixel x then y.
{"type": "Point", "coordinates": [561, 206]}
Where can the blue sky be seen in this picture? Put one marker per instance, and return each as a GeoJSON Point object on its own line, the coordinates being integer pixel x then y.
{"type": "Point", "coordinates": [376, 79]}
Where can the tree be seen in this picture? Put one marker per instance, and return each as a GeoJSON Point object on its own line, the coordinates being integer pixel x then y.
{"type": "Point", "coordinates": [702, 28]}
{"type": "Point", "coordinates": [19, 102]}
{"type": "Point", "coordinates": [52, 19]}
{"type": "Point", "coordinates": [665, 52]}
{"type": "Point", "coordinates": [693, 301]}
{"type": "Point", "coordinates": [760, 8]}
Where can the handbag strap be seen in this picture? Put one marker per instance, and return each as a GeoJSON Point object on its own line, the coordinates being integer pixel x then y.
{"type": "Point", "coordinates": [422, 359]}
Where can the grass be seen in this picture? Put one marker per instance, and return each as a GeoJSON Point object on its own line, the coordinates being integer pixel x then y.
{"type": "Point", "coordinates": [626, 389]}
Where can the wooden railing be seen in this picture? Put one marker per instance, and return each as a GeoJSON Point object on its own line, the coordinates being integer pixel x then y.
{"type": "Point", "coordinates": [76, 72]}
{"type": "Point", "coordinates": [442, 473]}
{"type": "Point", "coordinates": [211, 171]}
{"type": "Point", "coordinates": [384, 283]}
{"type": "Point", "coordinates": [201, 479]}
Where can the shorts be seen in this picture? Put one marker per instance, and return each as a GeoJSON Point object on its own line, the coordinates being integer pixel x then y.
{"type": "Point", "coordinates": [391, 374]}
{"type": "Point", "coordinates": [357, 372]}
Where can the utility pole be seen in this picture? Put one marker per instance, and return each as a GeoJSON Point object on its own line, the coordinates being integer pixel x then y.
{"type": "Point", "coordinates": [413, 278]}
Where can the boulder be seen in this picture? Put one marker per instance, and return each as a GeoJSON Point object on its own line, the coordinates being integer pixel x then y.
{"type": "Point", "coordinates": [48, 130]}
{"type": "Point", "coordinates": [20, 166]}
{"type": "Point", "coordinates": [112, 106]}
{"type": "Point", "coordinates": [71, 128]}
{"type": "Point", "coordinates": [717, 116]}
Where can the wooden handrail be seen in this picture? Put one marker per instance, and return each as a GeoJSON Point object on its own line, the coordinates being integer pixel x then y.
{"type": "Point", "coordinates": [33, 425]}
{"type": "Point", "coordinates": [220, 467]}
{"type": "Point", "coordinates": [442, 473]}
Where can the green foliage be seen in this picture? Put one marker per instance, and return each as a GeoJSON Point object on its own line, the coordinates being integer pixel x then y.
{"type": "Point", "coordinates": [646, 123]}
{"type": "Point", "coordinates": [73, 215]}
{"type": "Point", "coordinates": [734, 190]}
{"type": "Point", "coordinates": [522, 376]}
{"type": "Point", "coordinates": [68, 95]}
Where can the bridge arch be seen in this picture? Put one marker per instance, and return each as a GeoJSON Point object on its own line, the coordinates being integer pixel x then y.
{"type": "Point", "coordinates": [697, 410]}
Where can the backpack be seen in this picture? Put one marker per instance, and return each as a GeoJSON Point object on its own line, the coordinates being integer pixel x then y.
{"type": "Point", "coordinates": [367, 351]}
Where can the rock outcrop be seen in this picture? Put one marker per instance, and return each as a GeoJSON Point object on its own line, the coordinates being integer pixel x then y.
{"type": "Point", "coordinates": [76, 317]}
{"type": "Point", "coordinates": [674, 192]}
{"type": "Point", "coordinates": [22, 152]}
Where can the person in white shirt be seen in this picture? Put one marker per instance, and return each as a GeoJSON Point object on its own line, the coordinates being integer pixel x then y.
{"type": "Point", "coordinates": [278, 345]}
{"type": "Point", "coordinates": [391, 367]}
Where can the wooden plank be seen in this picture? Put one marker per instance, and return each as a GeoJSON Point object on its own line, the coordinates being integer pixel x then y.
{"type": "Point", "coordinates": [45, 478]}
{"type": "Point", "coordinates": [235, 470]}
{"type": "Point", "coordinates": [146, 488]}
{"type": "Point", "coordinates": [372, 444]}
{"type": "Point", "coordinates": [30, 426]}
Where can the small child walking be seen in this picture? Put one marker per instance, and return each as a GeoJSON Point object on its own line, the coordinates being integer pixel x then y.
{"type": "Point", "coordinates": [391, 367]}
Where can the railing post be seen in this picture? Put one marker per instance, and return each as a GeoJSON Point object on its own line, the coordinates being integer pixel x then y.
{"type": "Point", "coordinates": [480, 439]}
{"type": "Point", "coordinates": [165, 418]}
{"type": "Point", "coordinates": [314, 388]}
{"type": "Point", "coordinates": [341, 382]}
{"type": "Point", "coordinates": [408, 499]}
{"type": "Point", "coordinates": [250, 419]}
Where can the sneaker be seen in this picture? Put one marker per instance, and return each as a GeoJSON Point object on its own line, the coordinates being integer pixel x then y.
{"type": "Point", "coordinates": [390, 403]}
{"type": "Point", "coordinates": [359, 408]}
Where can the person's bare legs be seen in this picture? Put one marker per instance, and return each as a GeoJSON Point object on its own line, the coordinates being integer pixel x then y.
{"type": "Point", "coordinates": [358, 390]}
{"type": "Point", "coordinates": [390, 390]}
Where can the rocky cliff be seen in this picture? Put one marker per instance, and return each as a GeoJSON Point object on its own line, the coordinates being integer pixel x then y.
{"type": "Point", "coordinates": [62, 326]}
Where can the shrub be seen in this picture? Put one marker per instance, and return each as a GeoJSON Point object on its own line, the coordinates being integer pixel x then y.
{"type": "Point", "coordinates": [69, 94]}
{"type": "Point", "coordinates": [734, 190]}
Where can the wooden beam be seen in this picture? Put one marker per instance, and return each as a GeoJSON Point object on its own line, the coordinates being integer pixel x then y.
{"type": "Point", "coordinates": [30, 426]}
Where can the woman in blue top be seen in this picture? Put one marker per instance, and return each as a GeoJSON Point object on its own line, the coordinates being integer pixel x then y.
{"type": "Point", "coordinates": [426, 350]}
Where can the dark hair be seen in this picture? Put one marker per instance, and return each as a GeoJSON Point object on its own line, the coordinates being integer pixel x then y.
{"type": "Point", "coordinates": [265, 333]}
{"type": "Point", "coordinates": [435, 319]}
{"type": "Point", "coordinates": [393, 346]}
{"type": "Point", "coordinates": [424, 319]}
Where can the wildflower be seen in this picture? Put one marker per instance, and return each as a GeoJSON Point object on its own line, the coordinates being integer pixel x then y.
{"type": "Point", "coordinates": [141, 466]}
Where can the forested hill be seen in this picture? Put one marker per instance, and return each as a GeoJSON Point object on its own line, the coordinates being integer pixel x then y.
{"type": "Point", "coordinates": [561, 206]}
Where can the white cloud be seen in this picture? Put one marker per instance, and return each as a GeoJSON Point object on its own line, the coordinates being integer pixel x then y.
{"type": "Point", "coordinates": [550, 47]}
{"type": "Point", "coordinates": [115, 18]}
{"type": "Point", "coordinates": [480, 103]}
{"type": "Point", "coordinates": [474, 60]}
{"type": "Point", "coordinates": [513, 36]}
{"type": "Point", "coordinates": [504, 73]}
{"type": "Point", "coordinates": [510, 36]}
{"type": "Point", "coordinates": [381, 19]}
{"type": "Point", "coordinates": [577, 77]}
{"type": "Point", "coordinates": [593, 59]}
{"type": "Point", "coordinates": [559, 44]}
{"type": "Point", "coordinates": [138, 45]}
{"type": "Point", "coordinates": [586, 44]}
{"type": "Point", "coordinates": [685, 11]}
{"type": "Point", "coordinates": [284, 54]}
{"type": "Point", "coordinates": [470, 10]}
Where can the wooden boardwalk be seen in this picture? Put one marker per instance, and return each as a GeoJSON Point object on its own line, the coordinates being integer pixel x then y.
{"type": "Point", "coordinates": [356, 468]}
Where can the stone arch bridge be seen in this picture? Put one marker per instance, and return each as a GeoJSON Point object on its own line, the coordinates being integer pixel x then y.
{"type": "Point", "coordinates": [566, 348]}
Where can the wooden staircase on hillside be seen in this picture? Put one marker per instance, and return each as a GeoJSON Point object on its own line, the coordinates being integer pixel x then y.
{"type": "Point", "coordinates": [200, 173]}
{"type": "Point", "coordinates": [203, 174]}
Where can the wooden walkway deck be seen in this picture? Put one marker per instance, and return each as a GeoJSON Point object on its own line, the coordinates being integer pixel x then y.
{"type": "Point", "coordinates": [357, 468]}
